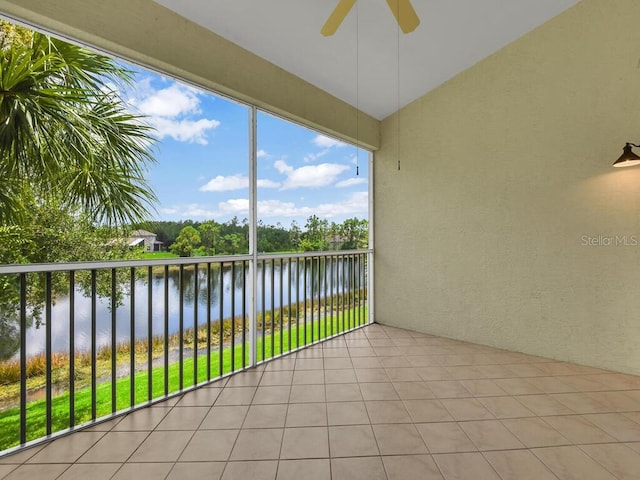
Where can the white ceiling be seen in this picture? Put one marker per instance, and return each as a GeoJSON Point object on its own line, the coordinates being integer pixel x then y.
{"type": "Point", "coordinates": [368, 63]}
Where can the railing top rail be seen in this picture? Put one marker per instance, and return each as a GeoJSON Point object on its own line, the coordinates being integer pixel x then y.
{"type": "Point", "coordinates": [161, 262]}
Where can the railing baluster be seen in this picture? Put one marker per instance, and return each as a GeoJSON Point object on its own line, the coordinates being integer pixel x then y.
{"type": "Point", "coordinates": [273, 312]}
{"type": "Point", "coordinates": [244, 314]}
{"type": "Point", "coordinates": [150, 334]}
{"type": "Point", "coordinates": [233, 316]}
{"type": "Point", "coordinates": [319, 300]}
{"type": "Point", "coordinates": [114, 308]}
{"type": "Point", "coordinates": [311, 279]}
{"type": "Point", "coordinates": [304, 312]}
{"type": "Point", "coordinates": [208, 321]}
{"type": "Point", "coordinates": [289, 299]}
{"type": "Point", "coordinates": [181, 331]}
{"type": "Point", "coordinates": [263, 309]}
{"type": "Point", "coordinates": [48, 326]}
{"type": "Point", "coordinates": [281, 307]}
{"type": "Point", "coordinates": [195, 324]}
{"type": "Point", "coordinates": [72, 349]}
{"type": "Point", "coordinates": [132, 337]}
{"type": "Point", "coordinates": [297, 303]}
{"type": "Point", "coordinates": [221, 322]}
{"type": "Point", "coordinates": [94, 304]}
{"type": "Point", "coordinates": [23, 358]}
{"type": "Point", "coordinates": [333, 330]}
{"type": "Point", "coordinates": [165, 330]}
{"type": "Point", "coordinates": [324, 286]}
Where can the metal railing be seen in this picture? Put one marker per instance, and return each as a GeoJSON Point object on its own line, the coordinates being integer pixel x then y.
{"type": "Point", "coordinates": [82, 342]}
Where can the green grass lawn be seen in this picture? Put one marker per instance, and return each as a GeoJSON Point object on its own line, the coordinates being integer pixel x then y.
{"type": "Point", "coordinates": [154, 255]}
{"type": "Point", "coordinates": [272, 345]}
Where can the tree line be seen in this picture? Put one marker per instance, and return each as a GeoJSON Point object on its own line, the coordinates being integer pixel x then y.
{"type": "Point", "coordinates": [189, 238]}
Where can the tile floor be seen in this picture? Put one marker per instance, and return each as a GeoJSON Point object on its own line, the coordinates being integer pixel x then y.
{"type": "Point", "coordinates": [377, 403]}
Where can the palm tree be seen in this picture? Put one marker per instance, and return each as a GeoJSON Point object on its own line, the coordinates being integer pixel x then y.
{"type": "Point", "coordinates": [64, 135]}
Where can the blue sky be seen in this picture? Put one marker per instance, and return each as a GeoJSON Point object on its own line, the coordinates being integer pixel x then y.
{"type": "Point", "coordinates": [202, 160]}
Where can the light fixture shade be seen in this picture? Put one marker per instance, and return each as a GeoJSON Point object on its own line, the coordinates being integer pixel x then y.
{"type": "Point", "coordinates": [628, 158]}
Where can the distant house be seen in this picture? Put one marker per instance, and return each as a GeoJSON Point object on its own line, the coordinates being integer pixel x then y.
{"type": "Point", "coordinates": [148, 240]}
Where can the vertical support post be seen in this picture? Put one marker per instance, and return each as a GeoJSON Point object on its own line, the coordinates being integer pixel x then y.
{"type": "Point", "coordinates": [371, 299]}
{"type": "Point", "coordinates": [253, 232]}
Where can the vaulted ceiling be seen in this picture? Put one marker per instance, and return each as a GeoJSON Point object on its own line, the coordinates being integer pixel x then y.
{"type": "Point", "coordinates": [369, 63]}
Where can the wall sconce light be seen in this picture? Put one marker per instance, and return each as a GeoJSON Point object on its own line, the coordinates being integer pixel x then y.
{"type": "Point", "coordinates": [628, 158]}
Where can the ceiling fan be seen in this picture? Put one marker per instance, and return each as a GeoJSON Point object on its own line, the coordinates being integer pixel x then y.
{"type": "Point", "coordinates": [402, 9]}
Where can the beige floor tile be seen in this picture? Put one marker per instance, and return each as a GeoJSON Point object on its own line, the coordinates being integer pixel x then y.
{"type": "Point", "coordinates": [616, 401]}
{"type": "Point", "coordinates": [570, 463]}
{"type": "Point", "coordinates": [146, 419]}
{"type": "Point", "coordinates": [505, 407]}
{"type": "Point", "coordinates": [306, 415]}
{"type": "Point", "coordinates": [361, 352]}
{"type": "Point", "coordinates": [466, 409]}
{"type": "Point", "coordinates": [634, 446]}
{"type": "Point", "coordinates": [148, 471]}
{"type": "Point", "coordinates": [490, 435]}
{"type": "Point", "coordinates": [494, 371]}
{"type": "Point", "coordinates": [94, 471]}
{"type": "Point", "coordinates": [352, 441]}
{"type": "Point", "coordinates": [308, 377]}
{"type": "Point", "coordinates": [578, 429]}
{"type": "Point", "coordinates": [209, 445]}
{"type": "Point", "coordinates": [552, 384]}
{"type": "Point", "coordinates": [583, 383]}
{"type": "Point", "coordinates": [236, 396]}
{"type": "Point", "coordinates": [387, 351]}
{"type": "Point", "coordinates": [315, 469]}
{"type": "Point", "coordinates": [253, 470]}
{"type": "Point", "coordinates": [365, 362]}
{"type": "Point", "coordinates": [337, 363]}
{"type": "Point", "coordinates": [343, 392]}
{"type": "Point", "coordinates": [465, 373]}
{"type": "Point", "coordinates": [543, 405]}
{"type": "Point", "coordinates": [203, 397]}
{"type": "Point", "coordinates": [197, 471]}
{"type": "Point", "coordinates": [305, 442]}
{"type": "Point", "coordinates": [39, 472]}
{"type": "Point", "coordinates": [67, 449]}
{"type": "Point", "coordinates": [266, 416]}
{"type": "Point", "coordinates": [519, 465]}
{"type": "Point", "coordinates": [431, 374]}
{"type": "Point", "coordinates": [394, 362]}
{"type": "Point", "coordinates": [411, 467]}
{"type": "Point", "coordinates": [6, 469]}
{"type": "Point", "coordinates": [448, 389]}
{"type": "Point", "coordinates": [403, 374]}
{"type": "Point", "coordinates": [465, 466]}
{"type": "Point", "coordinates": [378, 391]}
{"type": "Point", "coordinates": [277, 377]}
{"type": "Point", "coordinates": [371, 375]}
{"type": "Point", "coordinates": [413, 390]}
{"type": "Point", "coordinates": [250, 378]}
{"type": "Point", "coordinates": [517, 386]}
{"type": "Point", "coordinates": [423, 411]}
{"type": "Point", "coordinates": [225, 418]}
{"type": "Point", "coordinates": [108, 425]}
{"type": "Point", "coordinates": [534, 432]}
{"type": "Point", "coordinates": [21, 456]}
{"type": "Point", "coordinates": [387, 411]}
{"type": "Point", "coordinates": [618, 459]}
{"type": "Point", "coordinates": [309, 363]}
{"type": "Point", "coordinates": [272, 394]}
{"type": "Point", "coordinates": [114, 447]}
{"type": "Point", "coordinates": [347, 413]}
{"type": "Point", "coordinates": [347, 375]}
{"type": "Point", "coordinates": [183, 418]}
{"type": "Point", "coordinates": [581, 403]}
{"type": "Point", "coordinates": [335, 352]}
{"type": "Point", "coordinates": [446, 437]}
{"type": "Point", "coordinates": [401, 439]}
{"type": "Point", "coordinates": [368, 468]}
{"type": "Point", "coordinates": [286, 363]}
{"type": "Point", "coordinates": [260, 444]}
{"type": "Point", "coordinates": [162, 446]}
{"type": "Point", "coordinates": [307, 394]}
{"type": "Point", "coordinates": [617, 425]}
{"type": "Point", "coordinates": [482, 388]}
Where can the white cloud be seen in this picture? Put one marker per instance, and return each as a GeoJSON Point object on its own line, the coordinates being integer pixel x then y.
{"type": "Point", "coordinates": [234, 182]}
{"type": "Point", "coordinates": [312, 157]}
{"type": "Point", "coordinates": [225, 184]}
{"type": "Point", "coordinates": [356, 204]}
{"type": "Point", "coordinates": [265, 183]}
{"type": "Point", "coordinates": [262, 154]}
{"type": "Point", "coordinates": [173, 111]}
{"type": "Point", "coordinates": [323, 141]}
{"type": "Point", "coordinates": [310, 176]}
{"type": "Point", "coordinates": [350, 182]}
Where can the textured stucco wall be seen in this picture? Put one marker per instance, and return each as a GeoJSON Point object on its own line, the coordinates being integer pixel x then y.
{"type": "Point", "coordinates": [143, 31]}
{"type": "Point", "coordinates": [504, 169]}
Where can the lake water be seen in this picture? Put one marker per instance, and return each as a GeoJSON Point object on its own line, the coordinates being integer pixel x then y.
{"type": "Point", "coordinates": [336, 281]}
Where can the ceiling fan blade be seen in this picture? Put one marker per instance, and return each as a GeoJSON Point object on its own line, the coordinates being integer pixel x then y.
{"type": "Point", "coordinates": [405, 15]}
{"type": "Point", "coordinates": [337, 16]}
